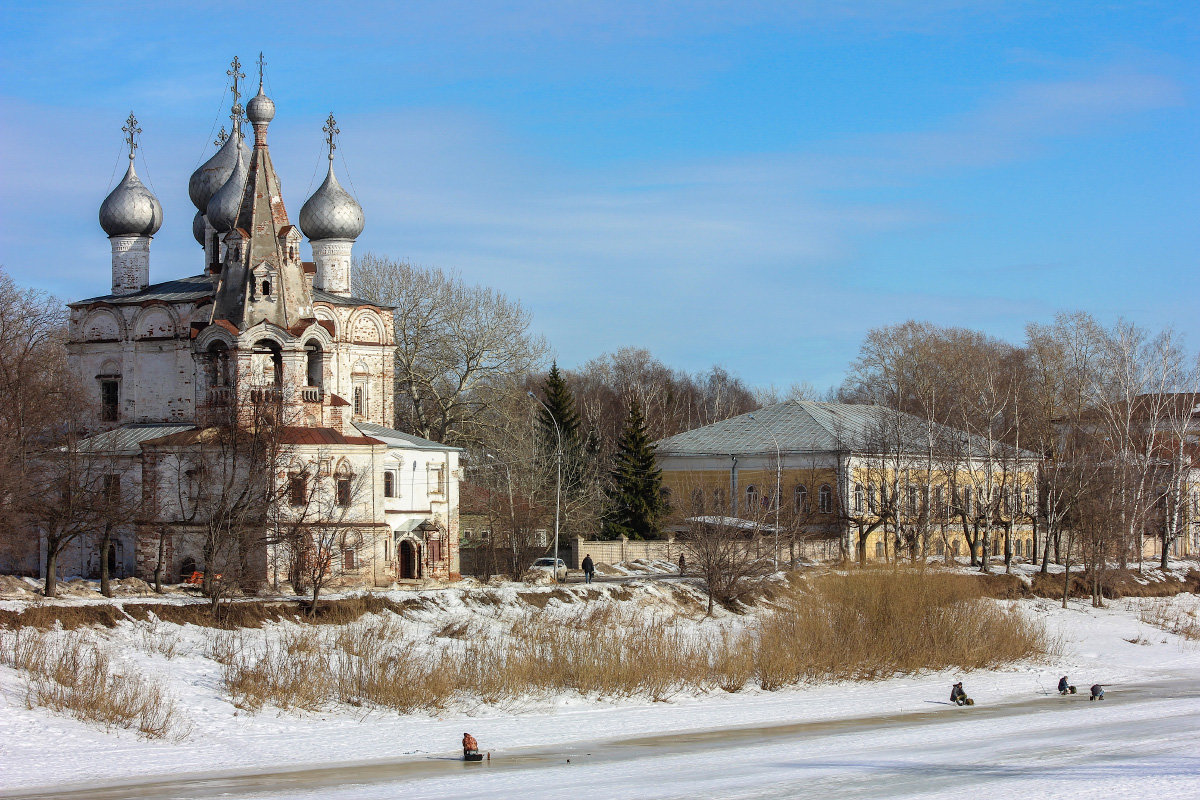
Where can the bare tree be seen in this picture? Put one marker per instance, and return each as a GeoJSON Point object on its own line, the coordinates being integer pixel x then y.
{"type": "Point", "coordinates": [460, 348]}
{"type": "Point", "coordinates": [320, 517]}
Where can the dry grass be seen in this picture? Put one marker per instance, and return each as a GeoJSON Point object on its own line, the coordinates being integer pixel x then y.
{"type": "Point", "coordinates": [1117, 583]}
{"type": "Point", "coordinates": [868, 625]}
{"type": "Point", "coordinates": [872, 625]}
{"type": "Point", "coordinates": [1181, 619]}
{"type": "Point", "coordinates": [73, 675]}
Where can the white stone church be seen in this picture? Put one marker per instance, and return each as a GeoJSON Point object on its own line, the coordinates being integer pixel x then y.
{"type": "Point", "coordinates": [255, 321]}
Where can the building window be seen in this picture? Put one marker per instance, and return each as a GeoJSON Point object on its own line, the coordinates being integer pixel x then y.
{"type": "Point", "coordinates": [297, 490]}
{"type": "Point", "coordinates": [914, 504]}
{"type": "Point", "coordinates": [389, 484]}
{"type": "Point", "coordinates": [1030, 507]}
{"type": "Point", "coordinates": [109, 398]}
{"type": "Point", "coordinates": [801, 499]}
{"type": "Point", "coordinates": [825, 498]}
{"type": "Point", "coordinates": [871, 499]}
{"type": "Point", "coordinates": [112, 489]}
{"type": "Point", "coordinates": [266, 288]}
{"type": "Point", "coordinates": [343, 491]}
{"type": "Point", "coordinates": [697, 501]}
{"type": "Point", "coordinates": [858, 498]}
{"type": "Point", "coordinates": [435, 551]}
{"type": "Point", "coordinates": [965, 501]}
{"type": "Point", "coordinates": [879, 551]}
{"type": "Point", "coordinates": [436, 476]}
{"type": "Point", "coordinates": [1029, 548]}
{"type": "Point", "coordinates": [751, 498]}
{"type": "Point", "coordinates": [939, 548]}
{"type": "Point", "coordinates": [359, 402]}
{"type": "Point", "coordinates": [349, 558]}
{"type": "Point", "coordinates": [938, 496]}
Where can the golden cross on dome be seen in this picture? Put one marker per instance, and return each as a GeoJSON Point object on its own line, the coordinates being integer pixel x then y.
{"type": "Point", "coordinates": [331, 130]}
{"type": "Point", "coordinates": [131, 130]}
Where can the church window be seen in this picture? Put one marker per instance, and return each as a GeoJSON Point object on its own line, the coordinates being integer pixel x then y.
{"type": "Point", "coordinates": [359, 404]}
{"type": "Point", "coordinates": [871, 498]}
{"type": "Point", "coordinates": [435, 551]}
{"type": "Point", "coordinates": [880, 552]}
{"type": "Point", "coordinates": [112, 489]}
{"type": "Point", "coordinates": [825, 497]}
{"type": "Point", "coordinates": [109, 394]}
{"type": "Point", "coordinates": [389, 484]}
{"type": "Point", "coordinates": [297, 490]}
{"type": "Point", "coordinates": [343, 491]}
{"type": "Point", "coordinates": [266, 286]}
{"type": "Point", "coordinates": [349, 558]}
{"type": "Point", "coordinates": [315, 363]}
{"type": "Point", "coordinates": [858, 498]}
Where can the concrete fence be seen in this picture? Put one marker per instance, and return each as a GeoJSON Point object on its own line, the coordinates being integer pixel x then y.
{"type": "Point", "coordinates": [611, 551]}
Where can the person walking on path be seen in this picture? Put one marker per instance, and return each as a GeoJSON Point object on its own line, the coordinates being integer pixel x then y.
{"type": "Point", "coordinates": [682, 564]}
{"type": "Point", "coordinates": [589, 568]}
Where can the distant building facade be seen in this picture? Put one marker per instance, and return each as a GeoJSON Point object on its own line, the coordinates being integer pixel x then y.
{"type": "Point", "coordinates": [855, 481]}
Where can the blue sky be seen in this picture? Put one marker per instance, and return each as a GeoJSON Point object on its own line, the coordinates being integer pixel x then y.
{"type": "Point", "coordinates": [749, 184]}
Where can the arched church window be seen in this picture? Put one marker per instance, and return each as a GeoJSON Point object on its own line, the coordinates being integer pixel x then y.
{"type": "Point", "coordinates": [389, 484]}
{"type": "Point", "coordinates": [266, 286]}
{"type": "Point", "coordinates": [315, 363]}
{"type": "Point", "coordinates": [268, 362]}
{"type": "Point", "coordinates": [359, 404]}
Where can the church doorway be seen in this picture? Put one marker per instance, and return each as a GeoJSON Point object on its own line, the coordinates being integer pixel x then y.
{"type": "Point", "coordinates": [410, 560]}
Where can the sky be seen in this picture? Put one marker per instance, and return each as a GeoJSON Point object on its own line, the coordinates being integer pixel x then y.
{"type": "Point", "coordinates": [752, 185]}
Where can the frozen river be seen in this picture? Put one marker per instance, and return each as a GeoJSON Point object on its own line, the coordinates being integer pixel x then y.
{"type": "Point", "coordinates": [1139, 742]}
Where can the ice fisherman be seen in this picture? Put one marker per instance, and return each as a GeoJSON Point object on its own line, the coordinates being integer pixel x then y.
{"type": "Point", "coordinates": [1097, 692]}
{"type": "Point", "coordinates": [1063, 686]}
{"type": "Point", "coordinates": [957, 695]}
{"type": "Point", "coordinates": [470, 746]}
{"type": "Point", "coordinates": [589, 568]}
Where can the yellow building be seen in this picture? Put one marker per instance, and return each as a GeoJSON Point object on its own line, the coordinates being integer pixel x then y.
{"type": "Point", "coordinates": [835, 480]}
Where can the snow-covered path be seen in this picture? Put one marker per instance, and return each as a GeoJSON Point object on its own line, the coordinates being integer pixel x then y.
{"type": "Point", "coordinates": [1139, 742]}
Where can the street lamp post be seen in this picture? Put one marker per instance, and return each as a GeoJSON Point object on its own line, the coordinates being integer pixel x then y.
{"type": "Point", "coordinates": [778, 482]}
{"type": "Point", "coordinates": [557, 481]}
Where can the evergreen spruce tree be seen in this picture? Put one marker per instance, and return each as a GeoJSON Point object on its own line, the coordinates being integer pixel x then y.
{"type": "Point", "coordinates": [562, 409]}
{"type": "Point", "coordinates": [558, 398]}
{"type": "Point", "coordinates": [635, 495]}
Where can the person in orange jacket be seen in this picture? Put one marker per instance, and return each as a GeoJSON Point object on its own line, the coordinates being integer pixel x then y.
{"type": "Point", "coordinates": [469, 744]}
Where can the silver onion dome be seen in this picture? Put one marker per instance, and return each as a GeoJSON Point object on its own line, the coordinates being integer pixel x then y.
{"type": "Point", "coordinates": [131, 209]}
{"type": "Point", "coordinates": [214, 173]}
{"type": "Point", "coordinates": [331, 213]}
{"type": "Point", "coordinates": [226, 204]}
{"type": "Point", "coordinates": [198, 227]}
{"type": "Point", "coordinates": [260, 109]}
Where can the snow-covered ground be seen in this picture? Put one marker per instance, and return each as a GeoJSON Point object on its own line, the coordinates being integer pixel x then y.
{"type": "Point", "coordinates": [891, 738]}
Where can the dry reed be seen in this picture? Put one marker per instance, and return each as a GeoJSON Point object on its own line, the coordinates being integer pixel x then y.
{"type": "Point", "coordinates": [68, 674]}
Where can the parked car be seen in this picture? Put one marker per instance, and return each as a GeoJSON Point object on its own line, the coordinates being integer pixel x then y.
{"type": "Point", "coordinates": [547, 565]}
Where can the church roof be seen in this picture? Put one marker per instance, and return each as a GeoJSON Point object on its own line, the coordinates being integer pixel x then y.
{"type": "Point", "coordinates": [180, 290]}
{"type": "Point", "coordinates": [200, 287]}
{"type": "Point", "coordinates": [804, 426]}
{"type": "Point", "coordinates": [128, 439]}
{"type": "Point", "coordinates": [400, 439]}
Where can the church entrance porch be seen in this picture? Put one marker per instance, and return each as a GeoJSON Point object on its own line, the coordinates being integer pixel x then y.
{"type": "Point", "coordinates": [410, 560]}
